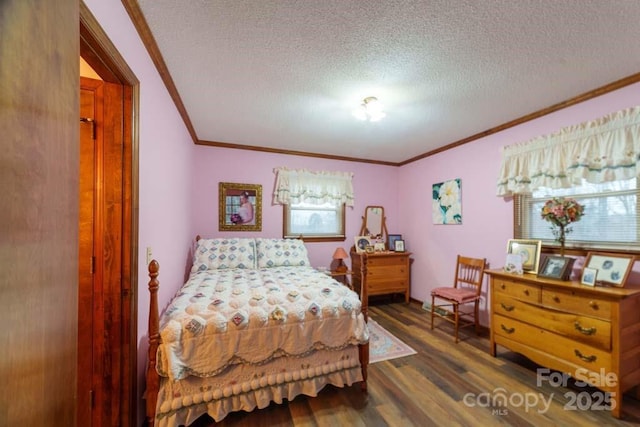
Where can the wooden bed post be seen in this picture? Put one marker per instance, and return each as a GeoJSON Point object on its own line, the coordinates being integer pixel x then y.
{"type": "Point", "coordinates": [153, 379]}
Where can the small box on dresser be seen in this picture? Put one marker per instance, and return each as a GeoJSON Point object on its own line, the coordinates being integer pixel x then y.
{"type": "Point", "coordinates": [569, 327]}
{"type": "Point", "coordinates": [382, 272]}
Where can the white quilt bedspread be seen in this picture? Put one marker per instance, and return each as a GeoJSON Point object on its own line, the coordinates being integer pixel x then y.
{"type": "Point", "coordinates": [231, 316]}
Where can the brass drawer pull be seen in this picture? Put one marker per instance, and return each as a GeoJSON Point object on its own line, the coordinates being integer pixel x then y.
{"type": "Point", "coordinates": [586, 331]}
{"type": "Point", "coordinates": [589, 359]}
{"type": "Point", "coordinates": [503, 287]}
{"type": "Point", "coordinates": [594, 305]}
{"type": "Point", "coordinates": [556, 299]}
{"type": "Point", "coordinates": [507, 307]}
{"type": "Point", "coordinates": [526, 292]}
{"type": "Point", "coordinates": [508, 330]}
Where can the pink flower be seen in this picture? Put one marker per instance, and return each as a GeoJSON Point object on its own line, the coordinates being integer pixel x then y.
{"type": "Point", "coordinates": [562, 211]}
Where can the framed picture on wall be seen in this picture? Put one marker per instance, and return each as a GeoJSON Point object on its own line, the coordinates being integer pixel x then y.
{"type": "Point", "coordinates": [446, 204]}
{"type": "Point", "coordinates": [240, 207]}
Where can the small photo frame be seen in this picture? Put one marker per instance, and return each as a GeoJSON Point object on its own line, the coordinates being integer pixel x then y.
{"type": "Point", "coordinates": [369, 249]}
{"type": "Point", "coordinates": [529, 250]}
{"type": "Point", "coordinates": [399, 245]}
{"type": "Point", "coordinates": [361, 243]}
{"type": "Point", "coordinates": [240, 207]}
{"type": "Point", "coordinates": [556, 267]}
{"type": "Point", "coordinates": [613, 269]}
{"type": "Point", "coordinates": [391, 240]}
{"type": "Point", "coordinates": [589, 276]}
{"type": "Point", "coordinates": [513, 264]}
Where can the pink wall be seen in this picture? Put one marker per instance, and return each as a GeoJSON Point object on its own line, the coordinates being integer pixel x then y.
{"type": "Point", "coordinates": [178, 185]}
{"type": "Point", "coordinates": [372, 184]}
{"type": "Point", "coordinates": [487, 220]}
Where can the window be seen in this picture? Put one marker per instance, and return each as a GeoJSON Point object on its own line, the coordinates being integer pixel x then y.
{"type": "Point", "coordinates": [314, 222]}
{"type": "Point", "coordinates": [610, 218]}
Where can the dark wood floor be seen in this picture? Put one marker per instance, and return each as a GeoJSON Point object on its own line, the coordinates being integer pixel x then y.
{"type": "Point", "coordinates": [429, 388]}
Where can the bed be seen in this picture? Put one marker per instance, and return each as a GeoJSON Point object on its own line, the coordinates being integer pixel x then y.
{"type": "Point", "coordinates": [253, 324]}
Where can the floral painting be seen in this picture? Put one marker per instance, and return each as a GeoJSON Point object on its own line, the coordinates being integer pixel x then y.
{"type": "Point", "coordinates": [447, 205]}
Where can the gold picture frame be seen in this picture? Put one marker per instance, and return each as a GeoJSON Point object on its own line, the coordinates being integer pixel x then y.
{"type": "Point", "coordinates": [529, 250]}
{"type": "Point", "coordinates": [234, 212]}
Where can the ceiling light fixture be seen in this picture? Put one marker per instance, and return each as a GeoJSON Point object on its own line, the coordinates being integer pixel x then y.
{"type": "Point", "coordinates": [370, 109]}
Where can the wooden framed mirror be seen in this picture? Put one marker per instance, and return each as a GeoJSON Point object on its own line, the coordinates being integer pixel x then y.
{"type": "Point", "coordinates": [373, 223]}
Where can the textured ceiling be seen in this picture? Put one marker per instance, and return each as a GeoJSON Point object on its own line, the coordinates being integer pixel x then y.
{"type": "Point", "coordinates": [287, 74]}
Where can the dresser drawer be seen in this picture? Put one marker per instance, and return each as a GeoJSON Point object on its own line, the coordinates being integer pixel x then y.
{"type": "Point", "coordinates": [589, 330]}
{"type": "Point", "coordinates": [576, 303]}
{"type": "Point", "coordinates": [387, 272]}
{"type": "Point", "coordinates": [522, 291]}
{"type": "Point", "coordinates": [386, 286]}
{"type": "Point", "coordinates": [386, 261]}
{"type": "Point", "coordinates": [575, 352]}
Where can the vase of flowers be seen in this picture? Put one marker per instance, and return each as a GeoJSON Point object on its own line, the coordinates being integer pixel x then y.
{"type": "Point", "coordinates": [560, 212]}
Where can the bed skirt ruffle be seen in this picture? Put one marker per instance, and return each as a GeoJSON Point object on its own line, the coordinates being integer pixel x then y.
{"type": "Point", "coordinates": [245, 388]}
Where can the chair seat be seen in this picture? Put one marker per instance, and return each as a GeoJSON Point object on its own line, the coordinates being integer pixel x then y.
{"type": "Point", "coordinates": [467, 288]}
{"type": "Point", "coordinates": [461, 296]}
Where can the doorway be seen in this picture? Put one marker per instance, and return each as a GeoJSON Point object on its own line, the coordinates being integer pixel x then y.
{"type": "Point", "coordinates": [107, 311]}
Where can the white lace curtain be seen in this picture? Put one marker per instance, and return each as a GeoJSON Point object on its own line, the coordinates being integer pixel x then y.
{"type": "Point", "coordinates": [602, 150]}
{"type": "Point", "coordinates": [316, 188]}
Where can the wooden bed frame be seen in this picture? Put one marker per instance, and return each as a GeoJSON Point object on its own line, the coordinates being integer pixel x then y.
{"type": "Point", "coordinates": [153, 378]}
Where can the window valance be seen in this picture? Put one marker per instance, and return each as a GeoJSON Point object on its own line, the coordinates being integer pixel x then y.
{"type": "Point", "coordinates": [295, 186]}
{"type": "Point", "coordinates": [602, 150]}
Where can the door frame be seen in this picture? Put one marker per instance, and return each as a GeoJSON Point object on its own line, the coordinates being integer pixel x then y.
{"type": "Point", "coordinates": [99, 52]}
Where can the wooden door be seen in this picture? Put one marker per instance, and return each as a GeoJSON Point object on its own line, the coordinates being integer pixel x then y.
{"type": "Point", "coordinates": [102, 297]}
{"type": "Point", "coordinates": [115, 230]}
{"type": "Point", "coordinates": [86, 260]}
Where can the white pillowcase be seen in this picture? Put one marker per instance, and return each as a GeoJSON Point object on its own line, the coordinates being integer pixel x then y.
{"type": "Point", "coordinates": [281, 253]}
{"type": "Point", "coordinates": [214, 254]}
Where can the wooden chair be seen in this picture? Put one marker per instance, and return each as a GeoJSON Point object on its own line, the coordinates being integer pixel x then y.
{"type": "Point", "coordinates": [466, 289]}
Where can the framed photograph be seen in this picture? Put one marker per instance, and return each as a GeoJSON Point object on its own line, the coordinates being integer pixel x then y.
{"type": "Point", "coordinates": [613, 269]}
{"type": "Point", "coordinates": [513, 264]}
{"type": "Point", "coordinates": [556, 267]}
{"type": "Point", "coordinates": [391, 240]}
{"type": "Point", "coordinates": [369, 249]}
{"type": "Point", "coordinates": [589, 276]}
{"type": "Point", "coordinates": [362, 242]}
{"type": "Point", "coordinates": [399, 246]}
{"type": "Point", "coordinates": [529, 250]}
{"type": "Point", "coordinates": [240, 207]}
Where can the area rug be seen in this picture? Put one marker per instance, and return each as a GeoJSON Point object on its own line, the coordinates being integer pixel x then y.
{"type": "Point", "coordinates": [384, 346]}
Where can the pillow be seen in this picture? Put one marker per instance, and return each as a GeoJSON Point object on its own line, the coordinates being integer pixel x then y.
{"type": "Point", "coordinates": [216, 254]}
{"type": "Point", "coordinates": [281, 253]}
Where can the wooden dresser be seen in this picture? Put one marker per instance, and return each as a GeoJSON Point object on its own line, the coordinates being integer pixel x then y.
{"type": "Point", "coordinates": [587, 332]}
{"type": "Point", "coordinates": [382, 272]}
